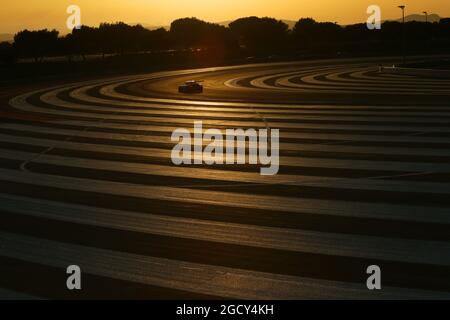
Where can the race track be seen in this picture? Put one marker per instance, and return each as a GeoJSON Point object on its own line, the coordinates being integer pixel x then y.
{"type": "Point", "coordinates": [364, 179]}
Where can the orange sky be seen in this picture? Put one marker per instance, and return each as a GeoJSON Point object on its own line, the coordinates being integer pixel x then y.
{"type": "Point", "coordinates": [34, 14]}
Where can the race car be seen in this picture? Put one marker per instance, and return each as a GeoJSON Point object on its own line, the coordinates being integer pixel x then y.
{"type": "Point", "coordinates": [191, 86]}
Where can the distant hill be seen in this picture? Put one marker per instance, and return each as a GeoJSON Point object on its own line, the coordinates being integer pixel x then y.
{"type": "Point", "coordinates": [290, 23]}
{"type": "Point", "coordinates": [420, 18]}
{"type": "Point", "coordinates": [6, 37]}
{"type": "Point", "coordinates": [150, 26]}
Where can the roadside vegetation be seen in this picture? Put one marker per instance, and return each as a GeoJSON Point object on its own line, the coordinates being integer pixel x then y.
{"type": "Point", "coordinates": [192, 42]}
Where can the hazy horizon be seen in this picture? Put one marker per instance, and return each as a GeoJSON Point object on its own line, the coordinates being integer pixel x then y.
{"type": "Point", "coordinates": [51, 14]}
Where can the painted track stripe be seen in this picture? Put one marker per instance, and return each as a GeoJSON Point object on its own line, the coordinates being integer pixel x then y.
{"type": "Point", "coordinates": [213, 280]}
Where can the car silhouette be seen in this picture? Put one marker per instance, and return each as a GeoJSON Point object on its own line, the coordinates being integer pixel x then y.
{"type": "Point", "coordinates": [191, 86]}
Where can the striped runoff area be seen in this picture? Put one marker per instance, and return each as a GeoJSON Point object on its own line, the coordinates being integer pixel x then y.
{"type": "Point", "coordinates": [87, 180]}
{"type": "Point", "coordinates": [343, 78]}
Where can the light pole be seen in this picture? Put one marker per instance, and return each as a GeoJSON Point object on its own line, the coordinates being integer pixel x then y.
{"type": "Point", "coordinates": [426, 16]}
{"type": "Point", "coordinates": [403, 31]}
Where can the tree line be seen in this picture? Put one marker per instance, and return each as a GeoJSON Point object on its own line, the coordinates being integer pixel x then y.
{"type": "Point", "coordinates": [250, 36]}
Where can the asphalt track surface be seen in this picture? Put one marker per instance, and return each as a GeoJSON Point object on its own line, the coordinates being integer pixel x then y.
{"type": "Point", "coordinates": [87, 179]}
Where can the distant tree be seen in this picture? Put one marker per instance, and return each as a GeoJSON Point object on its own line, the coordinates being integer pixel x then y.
{"type": "Point", "coordinates": [391, 36]}
{"type": "Point", "coordinates": [66, 46]}
{"type": "Point", "coordinates": [192, 32]}
{"type": "Point", "coordinates": [215, 42]}
{"type": "Point", "coordinates": [83, 41]}
{"type": "Point", "coordinates": [106, 41]}
{"type": "Point", "coordinates": [7, 54]}
{"type": "Point", "coordinates": [136, 38]}
{"type": "Point", "coordinates": [36, 44]}
{"type": "Point", "coordinates": [311, 35]}
{"type": "Point", "coordinates": [357, 38]}
{"type": "Point", "coordinates": [260, 35]}
{"type": "Point", "coordinates": [120, 37]}
{"type": "Point", "coordinates": [443, 28]}
{"type": "Point", "coordinates": [211, 43]}
{"type": "Point", "coordinates": [156, 39]}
